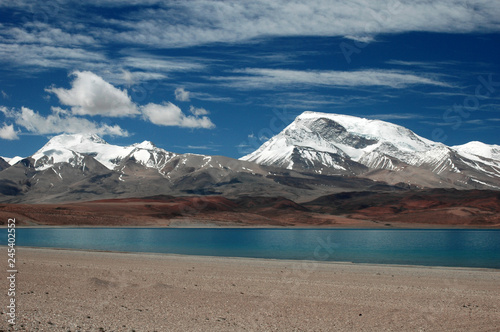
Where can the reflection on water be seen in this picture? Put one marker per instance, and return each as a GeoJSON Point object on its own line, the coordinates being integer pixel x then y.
{"type": "Point", "coordinates": [467, 248]}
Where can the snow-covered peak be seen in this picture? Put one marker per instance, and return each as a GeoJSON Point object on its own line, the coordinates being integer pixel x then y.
{"type": "Point", "coordinates": [148, 145]}
{"type": "Point", "coordinates": [480, 149]}
{"type": "Point", "coordinates": [381, 131]}
{"type": "Point", "coordinates": [68, 140]}
{"type": "Point", "coordinates": [67, 148]}
{"type": "Point", "coordinates": [71, 149]}
{"type": "Point", "coordinates": [358, 139]}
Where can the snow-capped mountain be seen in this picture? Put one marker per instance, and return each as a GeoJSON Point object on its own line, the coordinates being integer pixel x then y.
{"type": "Point", "coordinates": [315, 155]}
{"type": "Point", "coordinates": [479, 149]}
{"type": "Point", "coordinates": [342, 144]}
{"type": "Point", "coordinates": [336, 139]}
{"type": "Point", "coordinates": [82, 167]}
{"type": "Point", "coordinates": [73, 148]}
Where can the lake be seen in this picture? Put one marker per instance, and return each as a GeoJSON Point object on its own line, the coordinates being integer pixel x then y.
{"type": "Point", "coordinates": [457, 248]}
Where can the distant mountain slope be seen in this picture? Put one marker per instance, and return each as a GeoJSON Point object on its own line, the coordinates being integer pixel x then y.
{"type": "Point", "coordinates": [340, 144]}
{"type": "Point", "coordinates": [3, 164]}
{"type": "Point", "coordinates": [84, 167]}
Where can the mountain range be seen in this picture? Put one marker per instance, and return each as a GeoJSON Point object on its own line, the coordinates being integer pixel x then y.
{"type": "Point", "coordinates": [322, 170]}
{"type": "Point", "coordinates": [317, 154]}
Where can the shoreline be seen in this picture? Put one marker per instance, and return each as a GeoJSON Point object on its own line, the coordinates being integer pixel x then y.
{"type": "Point", "coordinates": [61, 290]}
{"type": "Point", "coordinates": [218, 226]}
{"type": "Point", "coordinates": [307, 261]}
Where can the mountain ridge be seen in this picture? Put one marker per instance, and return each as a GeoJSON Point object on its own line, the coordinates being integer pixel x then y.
{"type": "Point", "coordinates": [339, 144]}
{"type": "Point", "coordinates": [317, 154]}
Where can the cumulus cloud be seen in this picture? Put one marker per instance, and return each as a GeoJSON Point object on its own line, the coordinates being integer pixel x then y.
{"type": "Point", "coordinates": [181, 94]}
{"type": "Point", "coordinates": [7, 132]}
{"type": "Point", "coordinates": [168, 114]}
{"type": "Point", "coordinates": [92, 95]}
{"type": "Point", "coordinates": [59, 122]}
{"type": "Point", "coordinates": [198, 111]}
{"type": "Point", "coordinates": [257, 78]}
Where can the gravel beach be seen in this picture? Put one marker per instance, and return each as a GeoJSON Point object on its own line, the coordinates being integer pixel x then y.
{"type": "Point", "coordinates": [65, 290]}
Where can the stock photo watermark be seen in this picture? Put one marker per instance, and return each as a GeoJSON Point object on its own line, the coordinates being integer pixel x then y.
{"type": "Point", "coordinates": [42, 12]}
{"type": "Point", "coordinates": [11, 270]}
{"type": "Point", "coordinates": [456, 115]}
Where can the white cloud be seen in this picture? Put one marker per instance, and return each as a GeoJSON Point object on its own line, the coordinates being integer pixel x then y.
{"type": "Point", "coordinates": [45, 57]}
{"type": "Point", "coordinates": [5, 95]}
{"type": "Point", "coordinates": [146, 61]}
{"type": "Point", "coordinates": [197, 22]}
{"type": "Point", "coordinates": [256, 78]}
{"type": "Point", "coordinates": [142, 66]}
{"type": "Point", "coordinates": [169, 114]}
{"type": "Point", "coordinates": [43, 44]}
{"type": "Point", "coordinates": [362, 39]}
{"type": "Point", "coordinates": [181, 94]}
{"type": "Point", "coordinates": [198, 111]}
{"type": "Point", "coordinates": [398, 116]}
{"type": "Point", "coordinates": [129, 78]}
{"type": "Point", "coordinates": [60, 43]}
{"type": "Point", "coordinates": [91, 95]}
{"type": "Point", "coordinates": [7, 132]}
{"type": "Point", "coordinates": [45, 34]}
{"type": "Point", "coordinates": [59, 122]}
{"type": "Point", "coordinates": [211, 97]}
{"type": "Point", "coordinates": [411, 63]}
{"type": "Point", "coordinates": [198, 147]}
{"type": "Point", "coordinates": [187, 23]}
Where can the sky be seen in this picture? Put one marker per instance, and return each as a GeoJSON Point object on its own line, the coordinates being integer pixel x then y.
{"type": "Point", "coordinates": [222, 77]}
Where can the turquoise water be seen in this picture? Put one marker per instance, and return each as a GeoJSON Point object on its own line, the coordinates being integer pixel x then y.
{"type": "Point", "coordinates": [460, 248]}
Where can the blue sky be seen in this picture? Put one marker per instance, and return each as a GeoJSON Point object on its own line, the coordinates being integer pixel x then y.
{"type": "Point", "coordinates": [221, 77]}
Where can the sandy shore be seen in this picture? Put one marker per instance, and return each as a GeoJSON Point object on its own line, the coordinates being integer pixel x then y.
{"type": "Point", "coordinates": [62, 290]}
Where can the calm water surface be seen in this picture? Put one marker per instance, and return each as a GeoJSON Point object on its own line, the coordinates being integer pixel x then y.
{"type": "Point", "coordinates": [461, 248]}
